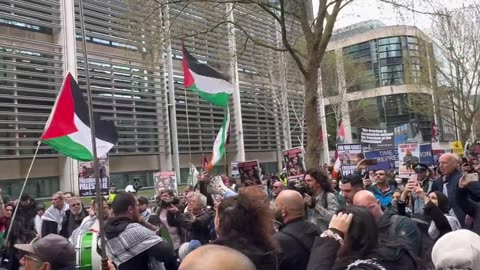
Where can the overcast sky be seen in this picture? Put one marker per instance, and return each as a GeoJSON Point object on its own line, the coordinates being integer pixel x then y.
{"type": "Point", "coordinates": [362, 10]}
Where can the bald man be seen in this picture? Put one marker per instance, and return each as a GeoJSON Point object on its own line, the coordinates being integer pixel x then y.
{"type": "Point", "coordinates": [215, 257]}
{"type": "Point", "coordinates": [448, 183]}
{"type": "Point", "coordinates": [391, 227]}
{"type": "Point", "coordinates": [296, 235]}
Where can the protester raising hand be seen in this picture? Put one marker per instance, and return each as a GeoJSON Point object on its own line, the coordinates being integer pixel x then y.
{"type": "Point", "coordinates": [341, 222]}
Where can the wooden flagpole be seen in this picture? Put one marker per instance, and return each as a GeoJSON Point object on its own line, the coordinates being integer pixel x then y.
{"type": "Point", "coordinates": [94, 143]}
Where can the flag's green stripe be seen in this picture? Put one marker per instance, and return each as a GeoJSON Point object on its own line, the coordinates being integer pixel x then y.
{"type": "Point", "coordinates": [68, 147]}
{"type": "Point", "coordinates": [86, 250]}
{"type": "Point", "coordinates": [220, 99]}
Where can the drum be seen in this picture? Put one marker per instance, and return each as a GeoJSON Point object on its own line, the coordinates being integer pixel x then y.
{"type": "Point", "coordinates": [87, 256]}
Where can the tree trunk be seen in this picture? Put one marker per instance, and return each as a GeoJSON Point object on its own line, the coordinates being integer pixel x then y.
{"type": "Point", "coordinates": [466, 131]}
{"type": "Point", "coordinates": [312, 159]}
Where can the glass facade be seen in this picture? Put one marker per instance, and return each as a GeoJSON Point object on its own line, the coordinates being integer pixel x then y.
{"type": "Point", "coordinates": [387, 61]}
{"type": "Point", "coordinates": [388, 112]}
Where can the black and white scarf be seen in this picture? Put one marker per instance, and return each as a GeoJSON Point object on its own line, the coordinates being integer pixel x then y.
{"type": "Point", "coordinates": [134, 240]}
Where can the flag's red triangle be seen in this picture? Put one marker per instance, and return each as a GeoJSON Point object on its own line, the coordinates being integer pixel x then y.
{"type": "Point", "coordinates": [61, 120]}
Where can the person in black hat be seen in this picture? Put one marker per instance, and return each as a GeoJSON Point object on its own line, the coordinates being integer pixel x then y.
{"type": "Point", "coordinates": [52, 252]}
{"type": "Point", "coordinates": [423, 177]}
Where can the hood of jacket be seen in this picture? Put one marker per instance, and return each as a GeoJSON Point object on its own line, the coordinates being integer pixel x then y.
{"type": "Point", "coordinates": [303, 230]}
{"type": "Point", "coordinates": [115, 226]}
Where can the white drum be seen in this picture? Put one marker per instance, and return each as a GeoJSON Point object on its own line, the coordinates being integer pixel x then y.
{"type": "Point", "coordinates": [86, 249]}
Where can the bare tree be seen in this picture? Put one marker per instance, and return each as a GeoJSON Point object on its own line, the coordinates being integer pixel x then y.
{"type": "Point", "coordinates": [458, 38]}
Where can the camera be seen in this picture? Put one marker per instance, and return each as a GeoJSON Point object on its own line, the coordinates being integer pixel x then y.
{"type": "Point", "coordinates": [172, 201]}
{"type": "Point", "coordinates": [303, 188]}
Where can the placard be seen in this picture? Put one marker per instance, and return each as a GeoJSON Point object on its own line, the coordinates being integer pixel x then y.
{"type": "Point", "coordinates": [294, 163]}
{"type": "Point", "coordinates": [86, 177]}
{"type": "Point", "coordinates": [165, 180]}
{"type": "Point", "coordinates": [408, 156]}
{"type": "Point", "coordinates": [426, 156]}
{"type": "Point", "coordinates": [350, 155]}
{"type": "Point", "coordinates": [250, 172]}
{"type": "Point", "coordinates": [457, 148]}
{"type": "Point", "coordinates": [387, 159]}
{"type": "Point", "coordinates": [376, 137]}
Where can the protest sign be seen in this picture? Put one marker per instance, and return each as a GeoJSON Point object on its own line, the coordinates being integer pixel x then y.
{"type": "Point", "coordinates": [378, 137]}
{"type": "Point", "coordinates": [426, 156]}
{"type": "Point", "coordinates": [387, 159]}
{"type": "Point", "coordinates": [457, 148]}
{"type": "Point", "coordinates": [294, 163]}
{"type": "Point", "coordinates": [408, 156]}
{"type": "Point", "coordinates": [250, 172]}
{"type": "Point", "coordinates": [86, 177]}
{"type": "Point", "coordinates": [235, 172]}
{"type": "Point", "coordinates": [350, 155]}
{"type": "Point", "coordinates": [165, 180]}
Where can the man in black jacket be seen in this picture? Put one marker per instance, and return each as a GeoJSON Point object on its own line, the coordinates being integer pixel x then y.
{"type": "Point", "coordinates": [129, 244]}
{"type": "Point", "coordinates": [195, 220]}
{"type": "Point", "coordinates": [448, 183]}
{"type": "Point", "coordinates": [297, 235]}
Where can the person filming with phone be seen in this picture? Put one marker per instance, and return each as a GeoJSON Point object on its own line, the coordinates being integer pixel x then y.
{"type": "Point", "coordinates": [468, 198]}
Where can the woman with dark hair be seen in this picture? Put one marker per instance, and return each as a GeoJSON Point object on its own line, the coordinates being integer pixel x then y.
{"type": "Point", "coordinates": [352, 243]}
{"type": "Point", "coordinates": [322, 202]}
{"type": "Point", "coordinates": [244, 223]}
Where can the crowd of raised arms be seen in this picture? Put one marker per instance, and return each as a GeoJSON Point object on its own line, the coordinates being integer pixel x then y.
{"type": "Point", "coordinates": [368, 220]}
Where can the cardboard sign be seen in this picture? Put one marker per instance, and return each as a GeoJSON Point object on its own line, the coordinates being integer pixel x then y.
{"type": "Point", "coordinates": [350, 155]}
{"type": "Point", "coordinates": [250, 172]}
{"type": "Point", "coordinates": [294, 163]}
{"type": "Point", "coordinates": [86, 177]}
{"type": "Point", "coordinates": [409, 157]}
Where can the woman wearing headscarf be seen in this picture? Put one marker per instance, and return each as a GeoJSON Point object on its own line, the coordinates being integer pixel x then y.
{"type": "Point", "coordinates": [438, 211]}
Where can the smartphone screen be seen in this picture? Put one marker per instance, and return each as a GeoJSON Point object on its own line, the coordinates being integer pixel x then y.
{"type": "Point", "coordinates": [471, 177]}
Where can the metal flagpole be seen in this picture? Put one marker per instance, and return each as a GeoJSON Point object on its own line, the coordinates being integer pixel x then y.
{"type": "Point", "coordinates": [21, 192]}
{"type": "Point", "coordinates": [94, 143]}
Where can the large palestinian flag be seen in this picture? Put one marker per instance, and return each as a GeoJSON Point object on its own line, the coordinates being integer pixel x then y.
{"type": "Point", "coordinates": [68, 127]}
{"type": "Point", "coordinates": [210, 84]}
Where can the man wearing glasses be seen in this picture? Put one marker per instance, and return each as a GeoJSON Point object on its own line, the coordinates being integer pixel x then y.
{"type": "Point", "coordinates": [52, 252]}
{"type": "Point", "coordinates": [278, 187]}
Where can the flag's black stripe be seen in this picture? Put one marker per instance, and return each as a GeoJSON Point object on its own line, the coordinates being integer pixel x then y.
{"type": "Point", "coordinates": [104, 129]}
{"type": "Point", "coordinates": [202, 69]}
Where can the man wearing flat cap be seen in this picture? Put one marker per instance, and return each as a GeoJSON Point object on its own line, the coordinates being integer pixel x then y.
{"type": "Point", "coordinates": [52, 252]}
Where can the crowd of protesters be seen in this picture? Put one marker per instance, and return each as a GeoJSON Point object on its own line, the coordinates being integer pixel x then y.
{"type": "Point", "coordinates": [363, 221]}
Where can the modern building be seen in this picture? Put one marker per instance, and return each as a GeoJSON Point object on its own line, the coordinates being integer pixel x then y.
{"type": "Point", "coordinates": [386, 76]}
{"type": "Point", "coordinates": [133, 70]}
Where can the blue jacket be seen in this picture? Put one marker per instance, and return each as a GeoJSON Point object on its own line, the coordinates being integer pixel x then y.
{"type": "Point", "coordinates": [385, 198]}
{"type": "Point", "coordinates": [452, 187]}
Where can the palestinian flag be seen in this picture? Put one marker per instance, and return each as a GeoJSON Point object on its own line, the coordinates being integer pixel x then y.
{"type": "Point", "coordinates": [219, 145]}
{"type": "Point", "coordinates": [210, 84]}
{"type": "Point", "coordinates": [68, 127]}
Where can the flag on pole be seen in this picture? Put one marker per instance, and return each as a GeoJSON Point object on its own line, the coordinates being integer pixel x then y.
{"type": "Point", "coordinates": [341, 133]}
{"type": "Point", "coordinates": [68, 127]}
{"type": "Point", "coordinates": [215, 88]}
{"type": "Point", "coordinates": [210, 84]}
{"type": "Point", "coordinates": [193, 176]}
{"type": "Point", "coordinates": [337, 166]}
{"type": "Point", "coordinates": [219, 145]}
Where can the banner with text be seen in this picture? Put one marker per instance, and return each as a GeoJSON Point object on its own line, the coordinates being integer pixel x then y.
{"type": "Point", "coordinates": [86, 177]}
{"type": "Point", "coordinates": [408, 156]}
{"type": "Point", "coordinates": [426, 156]}
{"type": "Point", "coordinates": [350, 155]}
{"type": "Point", "coordinates": [387, 159]}
{"type": "Point", "coordinates": [294, 163]}
{"type": "Point", "coordinates": [376, 137]}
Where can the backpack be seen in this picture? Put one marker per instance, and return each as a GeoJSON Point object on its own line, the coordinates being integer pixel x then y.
{"type": "Point", "coordinates": [340, 199]}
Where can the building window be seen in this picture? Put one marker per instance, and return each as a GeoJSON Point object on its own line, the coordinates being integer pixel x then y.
{"type": "Point", "coordinates": [42, 187]}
